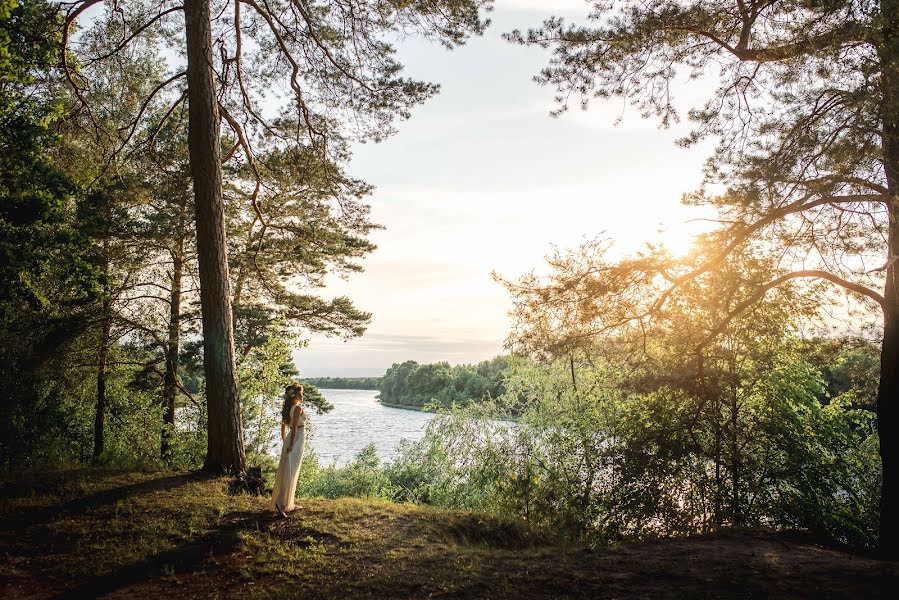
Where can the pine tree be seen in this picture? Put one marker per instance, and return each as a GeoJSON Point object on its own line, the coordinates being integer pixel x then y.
{"type": "Point", "coordinates": [807, 114]}
{"type": "Point", "coordinates": [336, 59]}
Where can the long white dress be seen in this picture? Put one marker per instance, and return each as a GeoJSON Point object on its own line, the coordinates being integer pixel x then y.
{"type": "Point", "coordinates": [289, 466]}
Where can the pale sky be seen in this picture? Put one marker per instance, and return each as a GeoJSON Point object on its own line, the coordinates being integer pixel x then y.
{"type": "Point", "coordinates": [481, 178]}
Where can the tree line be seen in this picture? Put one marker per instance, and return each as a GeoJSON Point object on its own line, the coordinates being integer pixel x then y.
{"type": "Point", "coordinates": [606, 448]}
{"type": "Point", "coordinates": [345, 383]}
{"type": "Point", "coordinates": [418, 385]}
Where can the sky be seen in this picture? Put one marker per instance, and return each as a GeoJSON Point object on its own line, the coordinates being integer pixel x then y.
{"type": "Point", "coordinates": [483, 179]}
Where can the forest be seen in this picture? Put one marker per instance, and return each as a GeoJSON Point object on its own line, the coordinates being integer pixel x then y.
{"type": "Point", "coordinates": [410, 384]}
{"type": "Point", "coordinates": [344, 383]}
{"type": "Point", "coordinates": [177, 195]}
{"type": "Point", "coordinates": [103, 311]}
{"type": "Point", "coordinates": [413, 385]}
{"type": "Point", "coordinates": [605, 449]}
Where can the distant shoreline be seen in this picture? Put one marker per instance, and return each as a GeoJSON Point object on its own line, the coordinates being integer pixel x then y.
{"type": "Point", "coordinates": [404, 406]}
{"type": "Point", "coordinates": [378, 399]}
{"type": "Point", "coordinates": [512, 418]}
{"type": "Point", "coordinates": [507, 418]}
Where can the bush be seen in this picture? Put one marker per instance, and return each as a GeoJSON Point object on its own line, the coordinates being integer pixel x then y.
{"type": "Point", "coordinates": [362, 478]}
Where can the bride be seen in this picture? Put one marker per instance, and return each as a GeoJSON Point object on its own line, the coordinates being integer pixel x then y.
{"type": "Point", "coordinates": [294, 418]}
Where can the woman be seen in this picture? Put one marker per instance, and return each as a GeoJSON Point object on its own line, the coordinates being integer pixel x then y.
{"type": "Point", "coordinates": [293, 442]}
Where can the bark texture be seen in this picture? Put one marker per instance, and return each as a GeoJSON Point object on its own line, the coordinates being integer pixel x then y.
{"type": "Point", "coordinates": [225, 448]}
{"type": "Point", "coordinates": [100, 412]}
{"type": "Point", "coordinates": [173, 349]}
{"type": "Point", "coordinates": [888, 392]}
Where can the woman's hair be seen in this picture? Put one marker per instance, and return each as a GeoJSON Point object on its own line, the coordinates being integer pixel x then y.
{"type": "Point", "coordinates": [290, 392]}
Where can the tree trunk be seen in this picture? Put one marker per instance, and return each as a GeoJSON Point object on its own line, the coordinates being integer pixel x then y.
{"type": "Point", "coordinates": [888, 391]}
{"type": "Point", "coordinates": [173, 348]}
{"type": "Point", "coordinates": [225, 450]}
{"type": "Point", "coordinates": [238, 287]}
{"type": "Point", "coordinates": [736, 508]}
{"type": "Point", "coordinates": [100, 414]}
{"type": "Point", "coordinates": [719, 485]}
{"type": "Point", "coordinates": [888, 402]}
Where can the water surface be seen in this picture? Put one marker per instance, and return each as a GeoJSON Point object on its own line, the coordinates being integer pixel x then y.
{"type": "Point", "coordinates": [357, 420]}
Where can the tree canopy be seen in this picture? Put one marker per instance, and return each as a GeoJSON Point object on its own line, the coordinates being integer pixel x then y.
{"type": "Point", "coordinates": [806, 171]}
{"type": "Point", "coordinates": [417, 385]}
{"type": "Point", "coordinates": [336, 62]}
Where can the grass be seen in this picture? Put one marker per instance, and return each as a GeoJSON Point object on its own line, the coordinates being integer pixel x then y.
{"type": "Point", "coordinates": [88, 533]}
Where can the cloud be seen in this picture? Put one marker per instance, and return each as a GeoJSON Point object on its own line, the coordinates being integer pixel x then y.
{"type": "Point", "coordinates": [482, 179]}
{"type": "Point", "coordinates": [374, 354]}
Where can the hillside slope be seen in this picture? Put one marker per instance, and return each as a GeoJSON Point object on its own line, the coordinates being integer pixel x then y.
{"type": "Point", "coordinates": [88, 533]}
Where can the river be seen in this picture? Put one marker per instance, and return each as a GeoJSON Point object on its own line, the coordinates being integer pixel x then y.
{"type": "Point", "coordinates": [357, 420]}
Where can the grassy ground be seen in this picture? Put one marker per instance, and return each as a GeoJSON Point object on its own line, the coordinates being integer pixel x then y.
{"type": "Point", "coordinates": [88, 533]}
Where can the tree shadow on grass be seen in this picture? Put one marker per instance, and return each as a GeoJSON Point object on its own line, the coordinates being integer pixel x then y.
{"type": "Point", "coordinates": [25, 517]}
{"type": "Point", "coordinates": [184, 559]}
{"type": "Point", "coordinates": [38, 481]}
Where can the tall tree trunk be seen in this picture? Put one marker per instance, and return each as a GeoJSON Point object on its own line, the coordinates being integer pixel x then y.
{"type": "Point", "coordinates": [173, 348]}
{"type": "Point", "coordinates": [225, 450]}
{"type": "Point", "coordinates": [719, 485]}
{"type": "Point", "coordinates": [735, 466]}
{"type": "Point", "coordinates": [888, 392]}
{"type": "Point", "coordinates": [888, 401]}
{"type": "Point", "coordinates": [102, 353]}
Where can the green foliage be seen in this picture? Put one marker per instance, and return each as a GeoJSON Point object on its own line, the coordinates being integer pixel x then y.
{"type": "Point", "coordinates": [412, 384]}
{"type": "Point", "coordinates": [315, 223]}
{"type": "Point", "coordinates": [187, 437]}
{"type": "Point", "coordinates": [49, 280]}
{"type": "Point", "coordinates": [362, 478]}
{"type": "Point", "coordinates": [65, 412]}
{"type": "Point", "coordinates": [345, 383]}
{"type": "Point", "coordinates": [41, 252]}
{"type": "Point", "coordinates": [605, 464]}
{"type": "Point", "coordinates": [264, 371]}
{"type": "Point", "coordinates": [850, 367]}
{"type": "Point", "coordinates": [433, 470]}
{"type": "Point", "coordinates": [594, 458]}
{"type": "Point", "coordinates": [805, 114]}
{"type": "Point", "coordinates": [728, 420]}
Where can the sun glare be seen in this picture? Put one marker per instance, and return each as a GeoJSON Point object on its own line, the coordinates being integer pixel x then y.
{"type": "Point", "coordinates": [677, 240]}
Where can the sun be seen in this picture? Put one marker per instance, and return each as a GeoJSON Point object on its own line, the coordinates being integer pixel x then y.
{"type": "Point", "coordinates": [677, 239]}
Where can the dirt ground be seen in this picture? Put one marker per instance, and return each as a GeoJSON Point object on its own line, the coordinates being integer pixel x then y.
{"type": "Point", "coordinates": [113, 534]}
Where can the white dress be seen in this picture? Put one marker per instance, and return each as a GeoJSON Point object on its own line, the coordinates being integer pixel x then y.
{"type": "Point", "coordinates": [289, 466]}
